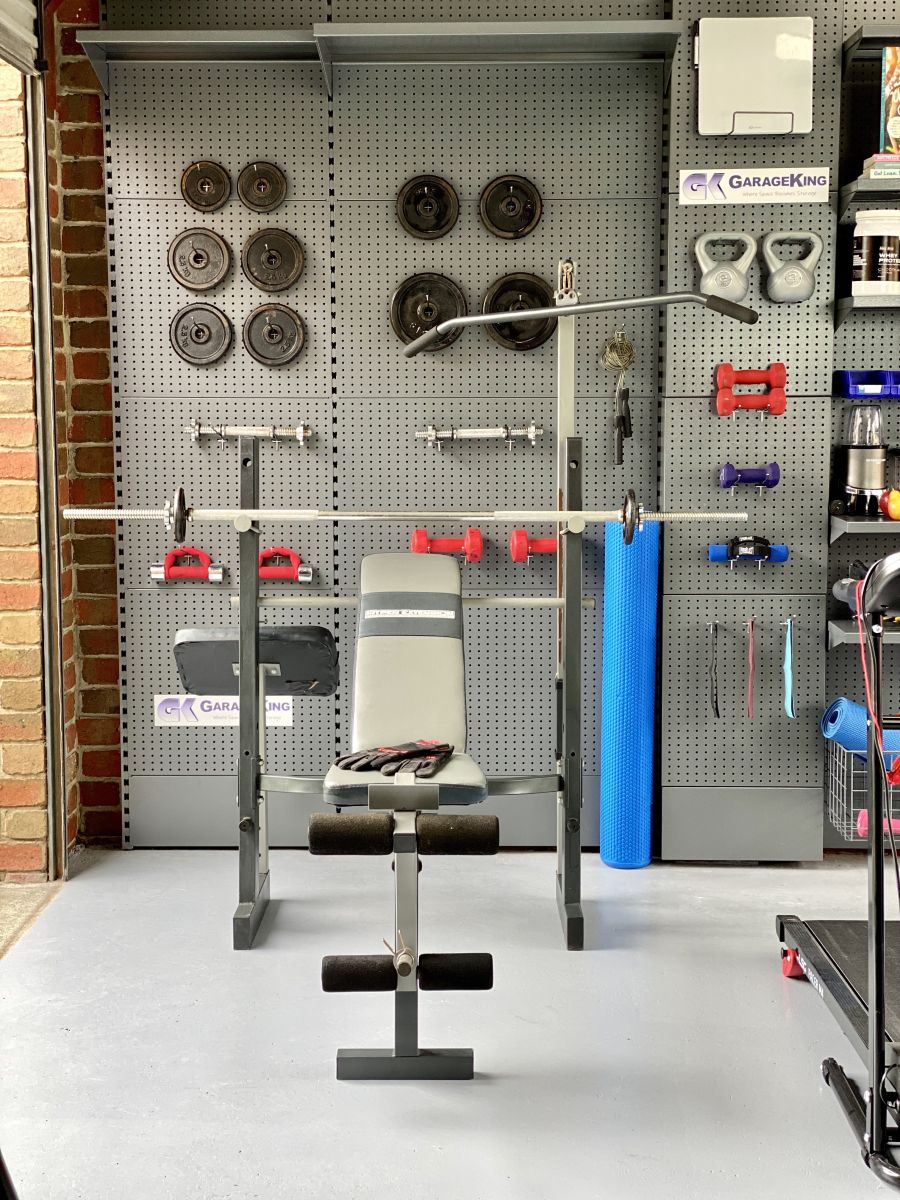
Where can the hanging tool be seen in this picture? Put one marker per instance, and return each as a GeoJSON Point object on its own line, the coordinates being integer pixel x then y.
{"type": "Point", "coordinates": [789, 667]}
{"type": "Point", "coordinates": [712, 668]}
{"type": "Point", "coordinates": [748, 549]}
{"type": "Point", "coordinates": [751, 664]}
{"type": "Point", "coordinates": [618, 355]}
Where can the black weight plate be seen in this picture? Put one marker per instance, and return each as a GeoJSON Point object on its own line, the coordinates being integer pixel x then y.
{"type": "Point", "coordinates": [423, 301]}
{"type": "Point", "coordinates": [427, 206]}
{"type": "Point", "coordinates": [510, 206]}
{"type": "Point", "coordinates": [272, 259]}
{"type": "Point", "coordinates": [515, 292]}
{"type": "Point", "coordinates": [199, 259]}
{"type": "Point", "coordinates": [200, 334]}
{"type": "Point", "coordinates": [262, 186]}
{"type": "Point", "coordinates": [205, 185]}
{"type": "Point", "coordinates": [274, 334]}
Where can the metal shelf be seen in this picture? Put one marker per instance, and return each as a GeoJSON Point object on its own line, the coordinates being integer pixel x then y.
{"type": "Point", "coordinates": [838, 526]}
{"type": "Point", "coordinates": [495, 41]}
{"type": "Point", "coordinates": [866, 191]}
{"type": "Point", "coordinates": [103, 46]}
{"type": "Point", "coordinates": [869, 40]}
{"type": "Point", "coordinates": [849, 305]}
{"type": "Point", "coordinates": [841, 633]}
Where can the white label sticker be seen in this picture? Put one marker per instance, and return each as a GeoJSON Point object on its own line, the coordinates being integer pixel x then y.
{"type": "Point", "coordinates": [754, 185]}
{"type": "Point", "coordinates": [441, 614]}
{"type": "Point", "coordinates": [216, 710]}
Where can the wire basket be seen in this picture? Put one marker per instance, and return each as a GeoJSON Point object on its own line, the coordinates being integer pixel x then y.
{"type": "Point", "coordinates": [845, 776]}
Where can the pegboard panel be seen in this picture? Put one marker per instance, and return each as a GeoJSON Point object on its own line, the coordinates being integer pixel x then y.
{"type": "Point", "coordinates": [369, 358]}
{"type": "Point", "coordinates": [602, 159]}
{"type": "Point", "coordinates": [768, 750]}
{"type": "Point", "coordinates": [795, 512]}
{"type": "Point", "coordinates": [864, 12]}
{"type": "Point", "coordinates": [213, 14]}
{"type": "Point", "coordinates": [496, 10]}
{"type": "Point", "coordinates": [232, 113]}
{"type": "Point", "coordinates": [151, 620]}
{"type": "Point", "coordinates": [688, 150]}
{"type": "Point", "coordinates": [146, 365]}
{"type": "Point", "coordinates": [800, 335]}
{"type": "Point", "coordinates": [868, 340]}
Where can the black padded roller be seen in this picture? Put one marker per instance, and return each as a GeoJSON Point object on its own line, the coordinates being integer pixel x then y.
{"type": "Point", "coordinates": [456, 972]}
{"type": "Point", "coordinates": [441, 833]}
{"type": "Point", "coordinates": [351, 833]}
{"type": "Point", "coordinates": [362, 972]}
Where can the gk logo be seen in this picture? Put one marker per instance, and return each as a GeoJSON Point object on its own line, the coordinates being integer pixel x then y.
{"type": "Point", "coordinates": [179, 707]}
{"type": "Point", "coordinates": [704, 185]}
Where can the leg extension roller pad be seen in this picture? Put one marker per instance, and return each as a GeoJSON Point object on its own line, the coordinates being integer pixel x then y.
{"type": "Point", "coordinates": [445, 834]}
{"type": "Point", "coordinates": [359, 973]}
{"type": "Point", "coordinates": [351, 833]}
{"type": "Point", "coordinates": [456, 972]}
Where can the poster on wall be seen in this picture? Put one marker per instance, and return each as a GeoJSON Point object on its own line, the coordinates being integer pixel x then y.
{"type": "Point", "coordinates": [754, 185]}
{"type": "Point", "coordinates": [187, 710]}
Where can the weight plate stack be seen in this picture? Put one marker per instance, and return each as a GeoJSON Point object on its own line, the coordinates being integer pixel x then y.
{"type": "Point", "coordinates": [512, 293]}
{"type": "Point", "coordinates": [510, 206]}
{"type": "Point", "coordinates": [199, 259]}
{"type": "Point", "coordinates": [262, 186]}
{"type": "Point", "coordinates": [272, 259]}
{"type": "Point", "coordinates": [274, 334]}
{"type": "Point", "coordinates": [427, 206]}
{"type": "Point", "coordinates": [423, 301]}
{"type": "Point", "coordinates": [205, 185]}
{"type": "Point", "coordinates": [200, 334]}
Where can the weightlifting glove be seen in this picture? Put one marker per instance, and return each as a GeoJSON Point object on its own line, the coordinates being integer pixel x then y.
{"type": "Point", "coordinates": [375, 759]}
{"type": "Point", "coordinates": [424, 766]}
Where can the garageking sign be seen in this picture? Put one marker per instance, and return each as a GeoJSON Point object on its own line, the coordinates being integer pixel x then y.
{"type": "Point", "coordinates": [216, 710]}
{"type": "Point", "coordinates": [754, 185]}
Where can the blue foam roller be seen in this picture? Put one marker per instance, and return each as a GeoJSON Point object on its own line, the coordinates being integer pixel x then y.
{"type": "Point", "coordinates": [844, 722]}
{"type": "Point", "coordinates": [628, 695]}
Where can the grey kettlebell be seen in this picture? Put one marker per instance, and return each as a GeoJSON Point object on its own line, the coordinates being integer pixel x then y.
{"type": "Point", "coordinates": [792, 280]}
{"type": "Point", "coordinates": [726, 279]}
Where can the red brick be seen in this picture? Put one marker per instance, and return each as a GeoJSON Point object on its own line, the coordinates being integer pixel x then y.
{"type": "Point", "coordinates": [22, 793]}
{"type": "Point", "coordinates": [99, 794]}
{"type": "Point", "coordinates": [83, 239]}
{"type": "Point", "coordinates": [90, 364]}
{"type": "Point", "coordinates": [82, 270]}
{"type": "Point", "coordinates": [21, 727]}
{"type": "Point", "coordinates": [85, 207]}
{"type": "Point", "coordinates": [101, 764]}
{"type": "Point", "coordinates": [22, 856]}
{"type": "Point", "coordinates": [77, 12]}
{"type": "Point", "coordinates": [90, 552]}
{"type": "Point", "coordinates": [100, 701]}
{"type": "Point", "coordinates": [77, 75]}
{"type": "Point", "coordinates": [88, 334]}
{"type": "Point", "coordinates": [89, 460]}
{"type": "Point", "coordinates": [19, 597]}
{"type": "Point", "coordinates": [97, 731]}
{"type": "Point", "coordinates": [71, 828]}
{"type": "Point", "coordinates": [70, 677]}
{"type": "Point", "coordinates": [96, 581]}
{"type": "Point", "coordinates": [96, 610]}
{"type": "Point", "coordinates": [79, 109]}
{"type": "Point", "coordinates": [87, 428]}
{"type": "Point", "coordinates": [87, 490]}
{"type": "Point", "coordinates": [18, 464]}
{"type": "Point", "coordinates": [18, 431]}
{"type": "Point", "coordinates": [85, 302]}
{"type": "Point", "coordinates": [19, 664]}
{"type": "Point", "coordinates": [101, 825]}
{"type": "Point", "coordinates": [99, 640]}
{"type": "Point", "coordinates": [84, 140]}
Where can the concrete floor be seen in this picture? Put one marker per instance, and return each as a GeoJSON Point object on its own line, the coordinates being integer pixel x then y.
{"type": "Point", "coordinates": [20, 906]}
{"type": "Point", "coordinates": [143, 1058]}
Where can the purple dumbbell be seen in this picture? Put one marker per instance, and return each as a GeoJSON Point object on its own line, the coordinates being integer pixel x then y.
{"type": "Point", "coordinates": [761, 477]}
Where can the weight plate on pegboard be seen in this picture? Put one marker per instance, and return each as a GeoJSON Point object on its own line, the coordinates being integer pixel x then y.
{"type": "Point", "coordinates": [427, 206]}
{"type": "Point", "coordinates": [423, 301]}
{"type": "Point", "coordinates": [205, 185]}
{"type": "Point", "coordinates": [272, 259]}
{"type": "Point", "coordinates": [274, 334]}
{"type": "Point", "coordinates": [199, 259]}
{"type": "Point", "coordinates": [262, 186]}
{"type": "Point", "coordinates": [200, 334]}
{"type": "Point", "coordinates": [510, 206]}
{"type": "Point", "coordinates": [512, 293]}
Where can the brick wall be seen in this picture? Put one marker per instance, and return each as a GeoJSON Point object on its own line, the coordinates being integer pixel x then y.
{"type": "Point", "coordinates": [23, 813]}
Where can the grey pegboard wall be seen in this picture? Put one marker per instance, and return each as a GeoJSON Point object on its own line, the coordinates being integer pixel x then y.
{"type": "Point", "coordinates": [213, 14]}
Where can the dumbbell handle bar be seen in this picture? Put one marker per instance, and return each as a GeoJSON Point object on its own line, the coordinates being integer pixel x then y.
{"type": "Point", "coordinates": [265, 433]}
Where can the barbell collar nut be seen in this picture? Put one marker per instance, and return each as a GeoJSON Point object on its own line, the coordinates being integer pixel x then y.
{"type": "Point", "coordinates": [245, 825]}
{"type": "Point", "coordinates": [576, 525]}
{"type": "Point", "coordinates": [243, 523]}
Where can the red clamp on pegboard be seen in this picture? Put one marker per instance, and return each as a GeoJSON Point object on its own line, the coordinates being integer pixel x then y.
{"type": "Point", "coordinates": [774, 401]}
{"type": "Point", "coordinates": [187, 564]}
{"type": "Point", "coordinates": [279, 564]}
{"type": "Point", "coordinates": [472, 545]}
{"type": "Point", "coordinates": [521, 546]}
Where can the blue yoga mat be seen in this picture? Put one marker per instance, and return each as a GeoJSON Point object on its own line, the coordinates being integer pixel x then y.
{"type": "Point", "coordinates": [844, 722]}
{"type": "Point", "coordinates": [628, 695]}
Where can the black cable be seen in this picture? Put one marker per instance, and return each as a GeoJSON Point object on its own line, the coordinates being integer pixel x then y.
{"type": "Point", "coordinates": [711, 671]}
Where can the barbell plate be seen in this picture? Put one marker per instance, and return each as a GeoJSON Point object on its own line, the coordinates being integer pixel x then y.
{"type": "Point", "coordinates": [199, 259]}
{"type": "Point", "coordinates": [427, 207]}
{"type": "Point", "coordinates": [424, 301]}
{"type": "Point", "coordinates": [510, 206]}
{"type": "Point", "coordinates": [205, 185]}
{"type": "Point", "coordinates": [262, 186]}
{"type": "Point", "coordinates": [519, 291]}
{"type": "Point", "coordinates": [200, 333]}
{"type": "Point", "coordinates": [274, 334]}
{"type": "Point", "coordinates": [272, 259]}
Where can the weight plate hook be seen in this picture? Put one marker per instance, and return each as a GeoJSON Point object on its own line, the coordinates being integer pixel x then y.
{"type": "Point", "coordinates": [423, 301]}
{"type": "Point", "coordinates": [514, 293]}
{"type": "Point", "coordinates": [199, 259]}
{"type": "Point", "coordinates": [427, 206]}
{"type": "Point", "coordinates": [262, 186]}
{"type": "Point", "coordinates": [205, 185]}
{"type": "Point", "coordinates": [510, 206]}
{"type": "Point", "coordinates": [274, 334]}
{"type": "Point", "coordinates": [200, 333]}
{"type": "Point", "coordinates": [272, 259]}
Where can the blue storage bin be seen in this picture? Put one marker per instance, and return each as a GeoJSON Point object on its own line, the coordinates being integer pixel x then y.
{"type": "Point", "coordinates": [866, 385]}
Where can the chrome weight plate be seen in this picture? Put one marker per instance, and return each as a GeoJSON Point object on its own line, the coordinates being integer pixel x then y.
{"type": "Point", "coordinates": [423, 301]}
{"type": "Point", "coordinates": [200, 334]}
{"type": "Point", "coordinates": [205, 185]}
{"type": "Point", "coordinates": [272, 259]}
{"type": "Point", "coordinates": [427, 206]}
{"type": "Point", "coordinates": [510, 206]}
{"type": "Point", "coordinates": [262, 186]}
{"type": "Point", "coordinates": [512, 293]}
{"type": "Point", "coordinates": [274, 334]}
{"type": "Point", "coordinates": [199, 259]}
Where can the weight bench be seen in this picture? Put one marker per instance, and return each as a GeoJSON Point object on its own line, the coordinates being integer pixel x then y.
{"type": "Point", "coordinates": [409, 683]}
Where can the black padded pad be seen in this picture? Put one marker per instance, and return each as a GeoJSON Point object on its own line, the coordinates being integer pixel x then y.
{"type": "Point", "coordinates": [306, 655]}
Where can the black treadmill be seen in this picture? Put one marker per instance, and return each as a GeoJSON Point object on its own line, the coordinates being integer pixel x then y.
{"type": "Point", "coordinates": [851, 963]}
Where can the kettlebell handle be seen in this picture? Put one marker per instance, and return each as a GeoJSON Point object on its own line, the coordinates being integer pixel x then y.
{"type": "Point", "coordinates": [707, 262]}
{"type": "Point", "coordinates": [809, 263]}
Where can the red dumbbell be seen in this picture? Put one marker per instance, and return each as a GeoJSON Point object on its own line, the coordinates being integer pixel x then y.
{"type": "Point", "coordinates": [280, 564]}
{"type": "Point", "coordinates": [472, 545]}
{"type": "Point", "coordinates": [774, 401]}
{"type": "Point", "coordinates": [187, 563]}
{"type": "Point", "coordinates": [521, 546]}
{"type": "Point", "coordinates": [774, 376]}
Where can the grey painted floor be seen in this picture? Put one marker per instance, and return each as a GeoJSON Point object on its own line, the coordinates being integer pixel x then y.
{"type": "Point", "coordinates": [142, 1058]}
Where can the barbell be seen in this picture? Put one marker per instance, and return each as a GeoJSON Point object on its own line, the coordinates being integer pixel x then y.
{"type": "Point", "coordinates": [176, 513]}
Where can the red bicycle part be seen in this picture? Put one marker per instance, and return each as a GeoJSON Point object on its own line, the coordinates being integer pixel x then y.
{"type": "Point", "coordinates": [774, 376]}
{"type": "Point", "coordinates": [774, 401]}
{"type": "Point", "coordinates": [280, 563]}
{"type": "Point", "coordinates": [472, 545]}
{"type": "Point", "coordinates": [521, 546]}
{"type": "Point", "coordinates": [790, 963]}
{"type": "Point", "coordinates": [186, 562]}
{"type": "Point", "coordinates": [862, 824]}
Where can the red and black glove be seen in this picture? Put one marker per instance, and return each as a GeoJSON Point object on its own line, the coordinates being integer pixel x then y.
{"type": "Point", "coordinates": [423, 766]}
{"type": "Point", "coordinates": [375, 759]}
